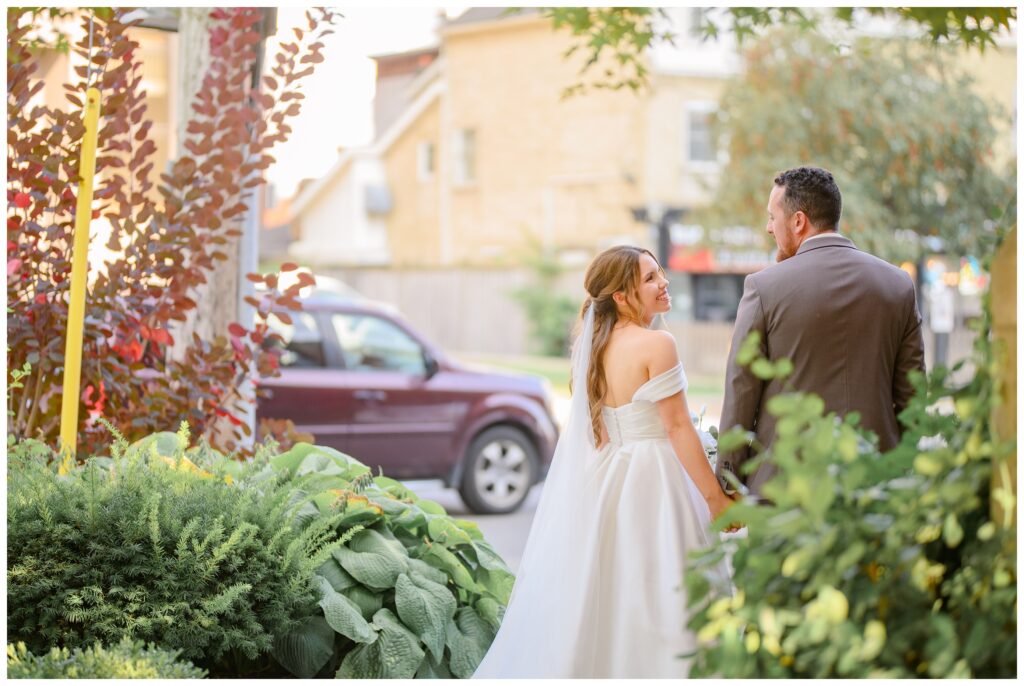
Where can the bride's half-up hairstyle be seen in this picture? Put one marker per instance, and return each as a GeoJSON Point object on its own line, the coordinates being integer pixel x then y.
{"type": "Point", "coordinates": [614, 270]}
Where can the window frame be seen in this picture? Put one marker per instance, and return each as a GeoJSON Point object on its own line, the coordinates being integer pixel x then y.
{"type": "Point", "coordinates": [340, 348]}
{"type": "Point", "coordinates": [464, 166]}
{"type": "Point", "coordinates": [426, 151]}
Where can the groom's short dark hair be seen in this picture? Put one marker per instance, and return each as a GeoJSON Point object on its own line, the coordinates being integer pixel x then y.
{"type": "Point", "coordinates": [814, 192]}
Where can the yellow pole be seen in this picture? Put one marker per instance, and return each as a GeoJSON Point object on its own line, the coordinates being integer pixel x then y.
{"type": "Point", "coordinates": [79, 272]}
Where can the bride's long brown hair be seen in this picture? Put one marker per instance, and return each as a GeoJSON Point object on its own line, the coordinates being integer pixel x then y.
{"type": "Point", "coordinates": [614, 270]}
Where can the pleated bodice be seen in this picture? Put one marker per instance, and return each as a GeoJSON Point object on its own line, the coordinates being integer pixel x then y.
{"type": "Point", "coordinates": [638, 420]}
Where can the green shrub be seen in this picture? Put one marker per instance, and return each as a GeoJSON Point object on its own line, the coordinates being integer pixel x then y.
{"type": "Point", "coordinates": [868, 564]}
{"type": "Point", "coordinates": [413, 593]}
{"type": "Point", "coordinates": [193, 560]}
{"type": "Point", "coordinates": [126, 660]}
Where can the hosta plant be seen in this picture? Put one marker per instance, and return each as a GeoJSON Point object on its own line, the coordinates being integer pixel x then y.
{"type": "Point", "coordinates": [414, 593]}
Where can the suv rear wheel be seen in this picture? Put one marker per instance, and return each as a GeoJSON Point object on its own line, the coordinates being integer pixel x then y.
{"type": "Point", "coordinates": [500, 468]}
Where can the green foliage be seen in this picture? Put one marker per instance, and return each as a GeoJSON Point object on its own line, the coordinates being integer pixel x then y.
{"type": "Point", "coordinates": [621, 34]}
{"type": "Point", "coordinates": [626, 32]}
{"type": "Point", "coordinates": [156, 546]}
{"type": "Point", "coordinates": [866, 564]}
{"type": "Point", "coordinates": [413, 593]}
{"type": "Point", "coordinates": [966, 26]}
{"type": "Point", "coordinates": [550, 314]}
{"type": "Point", "coordinates": [907, 138]}
{"type": "Point", "coordinates": [125, 660]}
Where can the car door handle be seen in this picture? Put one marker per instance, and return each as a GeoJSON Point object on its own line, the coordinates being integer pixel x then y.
{"type": "Point", "coordinates": [370, 395]}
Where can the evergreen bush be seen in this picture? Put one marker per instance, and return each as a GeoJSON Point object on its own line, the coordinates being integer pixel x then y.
{"type": "Point", "coordinates": [148, 545]}
{"type": "Point", "coordinates": [125, 660]}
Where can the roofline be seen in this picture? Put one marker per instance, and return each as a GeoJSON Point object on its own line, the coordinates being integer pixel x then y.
{"type": "Point", "coordinates": [511, 21]}
{"type": "Point", "coordinates": [407, 53]}
{"type": "Point", "coordinates": [376, 149]}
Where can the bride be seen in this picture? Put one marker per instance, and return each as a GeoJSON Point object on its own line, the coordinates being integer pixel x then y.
{"type": "Point", "coordinates": [630, 493]}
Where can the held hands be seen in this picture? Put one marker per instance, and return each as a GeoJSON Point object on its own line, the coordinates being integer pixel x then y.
{"type": "Point", "coordinates": [719, 503]}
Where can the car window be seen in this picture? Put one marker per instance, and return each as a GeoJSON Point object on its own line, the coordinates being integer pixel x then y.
{"type": "Point", "coordinates": [369, 343]}
{"type": "Point", "coordinates": [303, 343]}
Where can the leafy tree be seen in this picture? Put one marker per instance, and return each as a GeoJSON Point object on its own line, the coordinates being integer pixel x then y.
{"type": "Point", "coordinates": [909, 141]}
{"type": "Point", "coordinates": [170, 227]}
{"type": "Point", "coordinates": [623, 34]}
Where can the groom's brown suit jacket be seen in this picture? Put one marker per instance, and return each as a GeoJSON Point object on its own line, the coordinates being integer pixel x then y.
{"type": "Point", "coordinates": [849, 323]}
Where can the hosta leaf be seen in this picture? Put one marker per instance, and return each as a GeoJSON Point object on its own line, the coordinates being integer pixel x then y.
{"type": "Point", "coordinates": [430, 507]}
{"type": "Point", "coordinates": [470, 528]}
{"type": "Point", "coordinates": [166, 443]}
{"type": "Point", "coordinates": [390, 506]}
{"type": "Point", "coordinates": [433, 670]}
{"type": "Point", "coordinates": [429, 571]}
{"type": "Point", "coordinates": [343, 615]}
{"type": "Point", "coordinates": [396, 654]}
{"type": "Point", "coordinates": [490, 610]}
{"type": "Point", "coordinates": [489, 558]}
{"type": "Point", "coordinates": [412, 519]}
{"type": "Point", "coordinates": [395, 488]}
{"type": "Point", "coordinates": [426, 608]}
{"type": "Point", "coordinates": [469, 637]}
{"type": "Point", "coordinates": [372, 560]}
{"type": "Point", "coordinates": [497, 583]}
{"type": "Point", "coordinates": [443, 530]}
{"type": "Point", "coordinates": [444, 559]}
{"type": "Point", "coordinates": [366, 600]}
{"type": "Point", "coordinates": [306, 649]}
{"type": "Point", "coordinates": [338, 577]}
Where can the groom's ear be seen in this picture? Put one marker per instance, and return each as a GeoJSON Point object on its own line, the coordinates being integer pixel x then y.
{"type": "Point", "coordinates": [803, 224]}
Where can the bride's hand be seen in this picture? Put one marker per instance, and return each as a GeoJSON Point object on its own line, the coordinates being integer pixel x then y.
{"type": "Point", "coordinates": [718, 504]}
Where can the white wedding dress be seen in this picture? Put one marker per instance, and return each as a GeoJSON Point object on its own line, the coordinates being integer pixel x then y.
{"type": "Point", "coordinates": [600, 591]}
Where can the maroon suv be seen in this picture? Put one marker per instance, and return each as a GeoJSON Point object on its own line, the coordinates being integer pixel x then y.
{"type": "Point", "coordinates": [361, 380]}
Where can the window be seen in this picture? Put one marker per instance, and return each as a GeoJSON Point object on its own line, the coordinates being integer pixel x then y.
{"type": "Point", "coordinates": [717, 296]}
{"type": "Point", "coordinates": [465, 156]}
{"type": "Point", "coordinates": [303, 346]}
{"type": "Point", "coordinates": [369, 343]}
{"type": "Point", "coordinates": [425, 161]}
{"type": "Point", "coordinates": [700, 145]}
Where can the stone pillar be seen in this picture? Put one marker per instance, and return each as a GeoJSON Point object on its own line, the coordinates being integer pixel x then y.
{"type": "Point", "coordinates": [1004, 334]}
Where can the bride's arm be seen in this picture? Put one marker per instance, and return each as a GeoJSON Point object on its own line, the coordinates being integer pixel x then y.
{"type": "Point", "coordinates": [675, 415]}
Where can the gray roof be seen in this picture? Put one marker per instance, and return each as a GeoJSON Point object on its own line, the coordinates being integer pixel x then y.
{"type": "Point", "coordinates": [475, 15]}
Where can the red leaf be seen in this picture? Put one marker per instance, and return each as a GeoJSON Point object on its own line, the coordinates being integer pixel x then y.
{"type": "Point", "coordinates": [162, 336]}
{"type": "Point", "coordinates": [289, 267]}
{"type": "Point", "coordinates": [41, 299]}
{"type": "Point", "coordinates": [13, 266]}
{"type": "Point", "coordinates": [22, 200]}
{"type": "Point", "coordinates": [236, 329]}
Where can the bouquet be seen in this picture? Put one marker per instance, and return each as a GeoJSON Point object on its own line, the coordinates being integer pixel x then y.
{"type": "Point", "coordinates": [708, 438]}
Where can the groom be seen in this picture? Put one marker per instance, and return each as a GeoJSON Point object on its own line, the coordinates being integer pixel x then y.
{"type": "Point", "coordinates": [847, 320]}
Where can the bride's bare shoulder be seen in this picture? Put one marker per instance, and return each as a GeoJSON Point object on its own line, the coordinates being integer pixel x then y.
{"type": "Point", "coordinates": [660, 349]}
